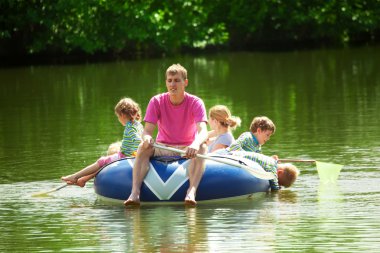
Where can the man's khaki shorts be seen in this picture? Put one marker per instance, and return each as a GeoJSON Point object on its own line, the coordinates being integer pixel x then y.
{"type": "Point", "coordinates": [163, 152]}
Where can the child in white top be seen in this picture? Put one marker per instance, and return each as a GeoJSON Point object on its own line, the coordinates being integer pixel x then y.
{"type": "Point", "coordinates": [222, 123]}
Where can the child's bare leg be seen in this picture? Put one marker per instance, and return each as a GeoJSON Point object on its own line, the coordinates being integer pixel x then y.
{"type": "Point", "coordinates": [73, 179]}
{"type": "Point", "coordinates": [83, 180]}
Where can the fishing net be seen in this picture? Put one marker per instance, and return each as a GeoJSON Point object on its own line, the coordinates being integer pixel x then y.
{"type": "Point", "coordinates": [328, 172]}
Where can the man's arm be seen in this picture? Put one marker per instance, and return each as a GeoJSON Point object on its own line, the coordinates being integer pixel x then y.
{"type": "Point", "coordinates": [146, 137]}
{"type": "Point", "coordinates": [202, 136]}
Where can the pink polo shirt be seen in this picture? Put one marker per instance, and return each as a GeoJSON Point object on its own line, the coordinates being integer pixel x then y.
{"type": "Point", "coordinates": [176, 123]}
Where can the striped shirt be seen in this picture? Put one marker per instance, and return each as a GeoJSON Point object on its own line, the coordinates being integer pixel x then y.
{"type": "Point", "coordinates": [131, 137]}
{"type": "Point", "coordinates": [268, 163]}
{"type": "Point", "coordinates": [246, 142]}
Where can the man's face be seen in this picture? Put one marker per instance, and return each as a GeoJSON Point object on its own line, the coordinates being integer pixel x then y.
{"type": "Point", "coordinates": [175, 84]}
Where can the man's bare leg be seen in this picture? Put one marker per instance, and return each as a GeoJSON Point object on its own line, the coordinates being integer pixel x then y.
{"type": "Point", "coordinates": [196, 169]}
{"type": "Point", "coordinates": [140, 169]}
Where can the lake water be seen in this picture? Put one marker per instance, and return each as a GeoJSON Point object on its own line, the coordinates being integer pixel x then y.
{"type": "Point", "coordinates": [55, 120]}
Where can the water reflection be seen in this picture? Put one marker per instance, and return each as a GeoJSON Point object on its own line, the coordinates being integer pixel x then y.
{"type": "Point", "coordinates": [329, 199]}
{"type": "Point", "coordinates": [56, 119]}
{"type": "Point", "coordinates": [170, 229]}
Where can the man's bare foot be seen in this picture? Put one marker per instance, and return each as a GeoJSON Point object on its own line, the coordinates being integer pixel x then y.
{"type": "Point", "coordinates": [130, 202]}
{"type": "Point", "coordinates": [190, 200]}
{"type": "Point", "coordinates": [133, 200]}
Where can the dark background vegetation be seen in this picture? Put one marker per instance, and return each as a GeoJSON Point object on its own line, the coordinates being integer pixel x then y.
{"type": "Point", "coordinates": [72, 30]}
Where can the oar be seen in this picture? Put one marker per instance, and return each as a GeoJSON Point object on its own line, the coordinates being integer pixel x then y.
{"type": "Point", "coordinates": [257, 173]}
{"type": "Point", "coordinates": [296, 160]}
{"type": "Point", "coordinates": [40, 194]}
{"type": "Point", "coordinates": [327, 172]}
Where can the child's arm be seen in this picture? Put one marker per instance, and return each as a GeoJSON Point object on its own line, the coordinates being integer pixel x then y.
{"type": "Point", "coordinates": [211, 137]}
{"type": "Point", "coordinates": [274, 186]}
{"type": "Point", "coordinates": [211, 134]}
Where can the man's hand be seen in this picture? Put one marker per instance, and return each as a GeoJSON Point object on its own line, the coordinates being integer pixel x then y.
{"type": "Point", "coordinates": [147, 141]}
{"type": "Point", "coordinates": [192, 150]}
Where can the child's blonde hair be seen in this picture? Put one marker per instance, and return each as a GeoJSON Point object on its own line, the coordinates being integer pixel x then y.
{"type": "Point", "coordinates": [223, 115]}
{"type": "Point", "coordinates": [177, 69]}
{"type": "Point", "coordinates": [128, 107]}
{"type": "Point", "coordinates": [262, 122]}
{"type": "Point", "coordinates": [114, 148]}
{"type": "Point", "coordinates": [289, 174]}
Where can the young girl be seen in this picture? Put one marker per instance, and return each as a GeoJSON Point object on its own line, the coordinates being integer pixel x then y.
{"type": "Point", "coordinates": [129, 114]}
{"type": "Point", "coordinates": [221, 123]}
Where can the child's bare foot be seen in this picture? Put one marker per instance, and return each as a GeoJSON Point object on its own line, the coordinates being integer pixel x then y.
{"type": "Point", "coordinates": [81, 182]}
{"type": "Point", "coordinates": [190, 200]}
{"type": "Point", "coordinates": [70, 179]}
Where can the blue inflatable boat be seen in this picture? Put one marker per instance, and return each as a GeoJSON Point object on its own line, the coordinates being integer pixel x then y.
{"type": "Point", "coordinates": [167, 181]}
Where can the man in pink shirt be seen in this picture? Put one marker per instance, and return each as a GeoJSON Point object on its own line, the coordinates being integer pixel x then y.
{"type": "Point", "coordinates": [181, 119]}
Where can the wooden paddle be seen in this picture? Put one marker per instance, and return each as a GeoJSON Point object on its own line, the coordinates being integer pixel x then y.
{"type": "Point", "coordinates": [327, 172]}
{"type": "Point", "coordinates": [44, 193]}
{"type": "Point", "coordinates": [257, 173]}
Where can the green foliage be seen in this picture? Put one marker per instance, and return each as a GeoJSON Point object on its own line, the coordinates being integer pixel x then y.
{"type": "Point", "coordinates": [109, 25]}
{"type": "Point", "coordinates": [156, 26]}
{"type": "Point", "coordinates": [335, 21]}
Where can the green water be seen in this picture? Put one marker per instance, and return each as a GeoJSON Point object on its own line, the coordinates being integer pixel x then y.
{"type": "Point", "coordinates": [326, 105]}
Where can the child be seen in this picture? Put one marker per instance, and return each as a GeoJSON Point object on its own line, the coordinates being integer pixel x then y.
{"type": "Point", "coordinates": [221, 123]}
{"type": "Point", "coordinates": [285, 173]}
{"type": "Point", "coordinates": [113, 148]}
{"type": "Point", "coordinates": [129, 113]}
{"type": "Point", "coordinates": [248, 145]}
{"type": "Point", "coordinates": [261, 130]}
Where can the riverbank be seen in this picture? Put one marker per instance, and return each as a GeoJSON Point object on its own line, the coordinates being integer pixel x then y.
{"type": "Point", "coordinates": [8, 60]}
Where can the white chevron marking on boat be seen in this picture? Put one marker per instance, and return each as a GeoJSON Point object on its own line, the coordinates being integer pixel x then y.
{"type": "Point", "coordinates": [165, 190]}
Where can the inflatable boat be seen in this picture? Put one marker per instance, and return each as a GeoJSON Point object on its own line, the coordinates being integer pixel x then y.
{"type": "Point", "coordinates": [167, 181]}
